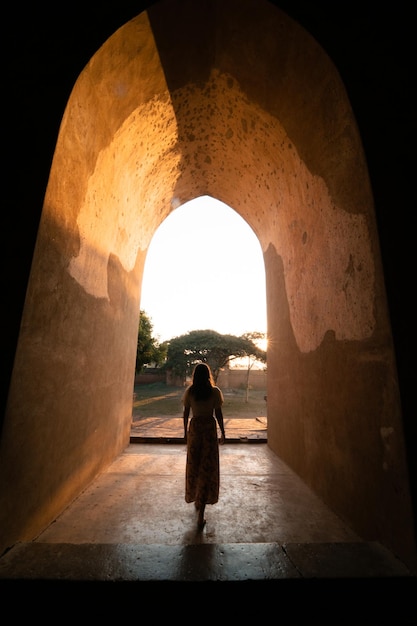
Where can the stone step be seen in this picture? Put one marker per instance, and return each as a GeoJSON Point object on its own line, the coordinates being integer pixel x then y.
{"type": "Point", "coordinates": [323, 584]}
{"type": "Point", "coordinates": [171, 430]}
{"type": "Point", "coordinates": [200, 562]}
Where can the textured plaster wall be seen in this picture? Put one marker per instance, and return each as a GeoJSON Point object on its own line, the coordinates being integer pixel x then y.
{"type": "Point", "coordinates": [263, 124]}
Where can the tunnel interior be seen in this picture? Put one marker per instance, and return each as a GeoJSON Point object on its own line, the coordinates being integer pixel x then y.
{"type": "Point", "coordinates": [265, 126]}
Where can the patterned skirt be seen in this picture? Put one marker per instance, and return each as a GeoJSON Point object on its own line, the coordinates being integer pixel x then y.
{"type": "Point", "coordinates": [202, 473]}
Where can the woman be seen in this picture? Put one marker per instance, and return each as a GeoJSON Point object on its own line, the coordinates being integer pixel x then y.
{"type": "Point", "coordinates": [202, 473]}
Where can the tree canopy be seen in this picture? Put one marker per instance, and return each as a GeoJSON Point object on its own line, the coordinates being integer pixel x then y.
{"type": "Point", "coordinates": [148, 350]}
{"type": "Point", "coordinates": [211, 347]}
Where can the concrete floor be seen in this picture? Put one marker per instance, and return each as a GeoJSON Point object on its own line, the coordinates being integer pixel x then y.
{"type": "Point", "coordinates": [140, 500]}
{"type": "Point", "coordinates": [133, 525]}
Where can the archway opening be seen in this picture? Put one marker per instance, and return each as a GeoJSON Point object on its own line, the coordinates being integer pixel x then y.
{"type": "Point", "coordinates": [204, 270]}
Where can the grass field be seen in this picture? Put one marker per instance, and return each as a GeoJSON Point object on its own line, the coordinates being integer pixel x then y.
{"type": "Point", "coordinates": [161, 400]}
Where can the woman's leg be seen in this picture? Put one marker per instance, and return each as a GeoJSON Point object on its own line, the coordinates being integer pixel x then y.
{"type": "Point", "coordinates": [201, 520]}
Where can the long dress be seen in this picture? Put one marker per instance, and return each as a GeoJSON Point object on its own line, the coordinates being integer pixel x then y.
{"type": "Point", "coordinates": [202, 473]}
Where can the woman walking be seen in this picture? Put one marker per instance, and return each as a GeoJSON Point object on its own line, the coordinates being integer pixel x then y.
{"type": "Point", "coordinates": [202, 474]}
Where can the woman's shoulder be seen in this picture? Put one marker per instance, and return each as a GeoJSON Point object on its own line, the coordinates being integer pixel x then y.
{"type": "Point", "coordinates": [187, 391]}
{"type": "Point", "coordinates": [217, 391]}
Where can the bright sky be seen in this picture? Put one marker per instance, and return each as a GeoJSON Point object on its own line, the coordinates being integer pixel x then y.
{"type": "Point", "coordinates": [204, 270]}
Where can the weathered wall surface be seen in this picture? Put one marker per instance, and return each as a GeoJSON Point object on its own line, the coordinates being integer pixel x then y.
{"type": "Point", "coordinates": [258, 119]}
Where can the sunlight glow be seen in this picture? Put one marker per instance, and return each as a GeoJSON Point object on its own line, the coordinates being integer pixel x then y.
{"type": "Point", "coordinates": [204, 270]}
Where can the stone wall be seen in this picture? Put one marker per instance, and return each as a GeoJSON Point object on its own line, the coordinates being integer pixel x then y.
{"type": "Point", "coordinates": [228, 378]}
{"type": "Point", "coordinates": [237, 379]}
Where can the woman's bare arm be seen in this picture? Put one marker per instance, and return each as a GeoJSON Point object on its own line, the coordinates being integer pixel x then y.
{"type": "Point", "coordinates": [219, 417]}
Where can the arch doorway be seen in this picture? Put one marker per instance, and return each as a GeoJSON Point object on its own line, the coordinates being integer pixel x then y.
{"type": "Point", "coordinates": [204, 270]}
{"type": "Point", "coordinates": [150, 125]}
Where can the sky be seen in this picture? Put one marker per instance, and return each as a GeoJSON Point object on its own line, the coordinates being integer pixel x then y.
{"type": "Point", "coordinates": [204, 270]}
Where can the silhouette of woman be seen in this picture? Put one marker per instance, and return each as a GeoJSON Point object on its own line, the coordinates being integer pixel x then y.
{"type": "Point", "coordinates": [202, 474]}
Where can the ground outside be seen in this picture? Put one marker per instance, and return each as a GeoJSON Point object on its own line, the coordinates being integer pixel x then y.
{"type": "Point", "coordinates": [171, 430]}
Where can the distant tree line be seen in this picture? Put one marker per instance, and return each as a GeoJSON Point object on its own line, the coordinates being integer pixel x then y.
{"type": "Point", "coordinates": [180, 354]}
{"type": "Point", "coordinates": [148, 350]}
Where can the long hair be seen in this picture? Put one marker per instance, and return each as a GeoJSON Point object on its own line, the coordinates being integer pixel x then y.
{"type": "Point", "coordinates": [203, 383]}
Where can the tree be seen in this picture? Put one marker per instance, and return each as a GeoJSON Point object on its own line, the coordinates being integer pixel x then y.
{"type": "Point", "coordinates": [253, 338]}
{"type": "Point", "coordinates": [148, 350]}
{"type": "Point", "coordinates": [208, 346]}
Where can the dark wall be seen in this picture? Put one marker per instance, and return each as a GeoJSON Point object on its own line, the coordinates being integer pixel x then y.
{"type": "Point", "coordinates": [373, 48]}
